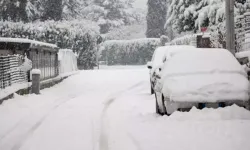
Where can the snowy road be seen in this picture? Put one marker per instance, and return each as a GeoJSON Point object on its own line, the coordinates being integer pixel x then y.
{"type": "Point", "coordinates": [111, 109]}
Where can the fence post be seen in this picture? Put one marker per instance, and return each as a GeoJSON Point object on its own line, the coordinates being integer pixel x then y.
{"type": "Point", "coordinates": [203, 42]}
{"type": "Point", "coordinates": [230, 44]}
{"type": "Point", "coordinates": [56, 65]}
{"type": "Point", "coordinates": [35, 89]}
{"type": "Point", "coordinates": [247, 31]}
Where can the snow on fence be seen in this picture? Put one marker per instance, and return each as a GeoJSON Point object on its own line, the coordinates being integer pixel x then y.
{"type": "Point", "coordinates": [67, 61]}
{"type": "Point", "coordinates": [10, 72]}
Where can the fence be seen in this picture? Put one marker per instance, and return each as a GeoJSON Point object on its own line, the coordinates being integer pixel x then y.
{"type": "Point", "coordinates": [242, 32]}
{"type": "Point", "coordinates": [46, 61]}
{"type": "Point", "coordinates": [10, 72]}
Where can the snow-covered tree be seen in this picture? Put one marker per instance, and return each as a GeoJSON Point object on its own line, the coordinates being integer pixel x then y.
{"type": "Point", "coordinates": [128, 32]}
{"type": "Point", "coordinates": [110, 13]}
{"type": "Point", "coordinates": [14, 10]}
{"type": "Point", "coordinates": [156, 18]}
{"type": "Point", "coordinates": [191, 15]}
{"type": "Point", "coordinates": [53, 10]}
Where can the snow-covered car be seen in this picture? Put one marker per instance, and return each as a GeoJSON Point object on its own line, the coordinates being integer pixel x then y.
{"type": "Point", "coordinates": [157, 61]}
{"type": "Point", "coordinates": [201, 78]}
{"type": "Point", "coordinates": [155, 64]}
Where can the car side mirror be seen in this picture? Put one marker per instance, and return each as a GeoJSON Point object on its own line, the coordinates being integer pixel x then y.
{"type": "Point", "coordinates": [150, 65]}
{"type": "Point", "coordinates": [243, 60]}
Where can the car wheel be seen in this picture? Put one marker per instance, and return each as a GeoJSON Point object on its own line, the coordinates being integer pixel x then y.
{"type": "Point", "coordinates": [164, 109]}
{"type": "Point", "coordinates": [160, 107]}
{"type": "Point", "coordinates": [157, 109]}
{"type": "Point", "coordinates": [152, 91]}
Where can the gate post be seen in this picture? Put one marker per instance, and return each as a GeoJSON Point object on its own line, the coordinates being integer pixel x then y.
{"type": "Point", "coordinates": [35, 88]}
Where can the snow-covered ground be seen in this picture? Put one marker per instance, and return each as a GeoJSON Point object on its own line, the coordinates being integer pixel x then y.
{"type": "Point", "coordinates": [111, 109]}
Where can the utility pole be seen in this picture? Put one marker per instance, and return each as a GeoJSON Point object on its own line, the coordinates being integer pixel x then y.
{"type": "Point", "coordinates": [230, 33]}
{"type": "Point", "coordinates": [99, 41]}
{"type": "Point", "coordinates": [97, 57]}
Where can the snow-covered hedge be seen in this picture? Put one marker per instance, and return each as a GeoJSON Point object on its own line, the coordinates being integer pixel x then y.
{"type": "Point", "coordinates": [184, 40]}
{"type": "Point", "coordinates": [128, 52]}
{"type": "Point", "coordinates": [80, 36]}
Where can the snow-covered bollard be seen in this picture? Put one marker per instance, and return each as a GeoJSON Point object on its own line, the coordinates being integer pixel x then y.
{"type": "Point", "coordinates": [35, 89]}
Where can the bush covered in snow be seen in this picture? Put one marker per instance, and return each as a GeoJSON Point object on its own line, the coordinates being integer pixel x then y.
{"type": "Point", "coordinates": [189, 39]}
{"type": "Point", "coordinates": [128, 52]}
{"type": "Point", "coordinates": [81, 36]}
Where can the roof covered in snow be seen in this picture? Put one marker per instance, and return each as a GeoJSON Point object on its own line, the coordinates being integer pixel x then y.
{"type": "Point", "coordinates": [33, 43]}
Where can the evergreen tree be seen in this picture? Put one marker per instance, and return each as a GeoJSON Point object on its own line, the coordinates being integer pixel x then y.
{"type": "Point", "coordinates": [112, 13]}
{"type": "Point", "coordinates": [156, 18]}
{"type": "Point", "coordinates": [53, 10]}
{"type": "Point", "coordinates": [13, 10]}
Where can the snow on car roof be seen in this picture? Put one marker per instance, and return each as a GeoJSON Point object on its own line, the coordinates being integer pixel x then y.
{"type": "Point", "coordinates": [166, 51]}
{"type": "Point", "coordinates": [22, 40]}
{"type": "Point", "coordinates": [202, 60]}
{"type": "Point", "coordinates": [175, 49]}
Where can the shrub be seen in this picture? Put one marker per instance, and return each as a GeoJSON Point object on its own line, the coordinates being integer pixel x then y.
{"type": "Point", "coordinates": [80, 36]}
{"type": "Point", "coordinates": [128, 52]}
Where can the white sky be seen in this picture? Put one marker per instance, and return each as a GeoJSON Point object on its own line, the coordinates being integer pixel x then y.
{"type": "Point", "coordinates": [140, 4]}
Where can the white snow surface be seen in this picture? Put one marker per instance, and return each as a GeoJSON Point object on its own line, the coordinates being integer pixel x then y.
{"type": "Point", "coordinates": [207, 75]}
{"type": "Point", "coordinates": [113, 110]}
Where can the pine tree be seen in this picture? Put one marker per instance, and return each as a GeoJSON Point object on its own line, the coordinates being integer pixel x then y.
{"type": "Point", "coordinates": [22, 11]}
{"type": "Point", "coordinates": [14, 10]}
{"type": "Point", "coordinates": [156, 18]}
{"type": "Point", "coordinates": [112, 13]}
{"type": "Point", "coordinates": [53, 10]}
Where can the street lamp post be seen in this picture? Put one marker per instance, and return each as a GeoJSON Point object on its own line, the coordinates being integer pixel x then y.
{"type": "Point", "coordinates": [230, 33]}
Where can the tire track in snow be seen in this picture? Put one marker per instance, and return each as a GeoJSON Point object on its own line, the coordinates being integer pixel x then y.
{"type": "Point", "coordinates": [33, 128]}
{"type": "Point", "coordinates": [23, 119]}
{"type": "Point", "coordinates": [135, 142]}
{"type": "Point", "coordinates": [104, 135]}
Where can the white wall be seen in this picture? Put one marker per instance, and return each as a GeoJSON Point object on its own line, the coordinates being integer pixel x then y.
{"type": "Point", "coordinates": [67, 61]}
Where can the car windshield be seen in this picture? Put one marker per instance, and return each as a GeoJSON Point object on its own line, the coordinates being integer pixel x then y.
{"type": "Point", "coordinates": [159, 55]}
